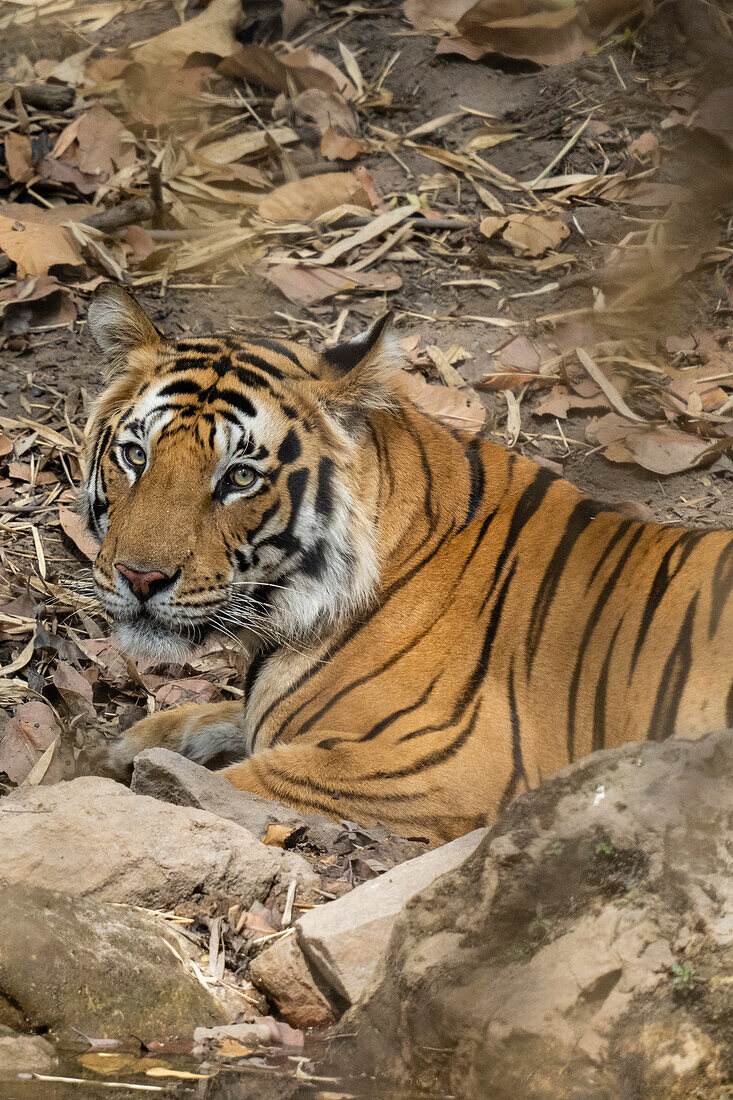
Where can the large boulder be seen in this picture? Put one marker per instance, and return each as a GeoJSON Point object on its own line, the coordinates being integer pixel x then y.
{"type": "Point", "coordinates": [79, 967]}
{"type": "Point", "coordinates": [95, 838]}
{"type": "Point", "coordinates": [584, 949]}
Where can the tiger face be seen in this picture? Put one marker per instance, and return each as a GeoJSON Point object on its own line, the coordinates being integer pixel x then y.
{"type": "Point", "coordinates": [223, 480]}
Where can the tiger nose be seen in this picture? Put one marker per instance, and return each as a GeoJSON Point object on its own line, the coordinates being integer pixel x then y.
{"type": "Point", "coordinates": [143, 584]}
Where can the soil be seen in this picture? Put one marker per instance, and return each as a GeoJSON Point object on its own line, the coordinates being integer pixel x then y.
{"type": "Point", "coordinates": [425, 86]}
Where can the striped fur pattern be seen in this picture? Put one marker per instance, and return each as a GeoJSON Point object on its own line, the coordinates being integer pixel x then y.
{"type": "Point", "coordinates": [435, 624]}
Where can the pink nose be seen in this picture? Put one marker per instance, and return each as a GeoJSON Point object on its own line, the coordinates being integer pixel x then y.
{"type": "Point", "coordinates": [143, 584]}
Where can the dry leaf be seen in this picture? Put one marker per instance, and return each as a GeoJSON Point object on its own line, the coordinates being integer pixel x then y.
{"type": "Point", "coordinates": [336, 146]}
{"type": "Point", "coordinates": [450, 406]}
{"type": "Point", "coordinates": [308, 285]}
{"type": "Point", "coordinates": [74, 527]}
{"type": "Point", "coordinates": [18, 157]}
{"type": "Point", "coordinates": [212, 32]}
{"type": "Point", "coordinates": [96, 143]}
{"type": "Point", "coordinates": [306, 69]}
{"type": "Point", "coordinates": [74, 690]}
{"type": "Point", "coordinates": [533, 234]}
{"type": "Point", "coordinates": [305, 199]}
{"type": "Point", "coordinates": [661, 449]}
{"type": "Point", "coordinates": [535, 30]}
{"type": "Point", "coordinates": [36, 243]}
{"type": "Point", "coordinates": [25, 738]}
{"type": "Point", "coordinates": [276, 835]}
{"type": "Point", "coordinates": [41, 300]}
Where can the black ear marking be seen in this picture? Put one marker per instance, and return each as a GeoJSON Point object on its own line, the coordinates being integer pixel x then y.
{"type": "Point", "coordinates": [346, 355]}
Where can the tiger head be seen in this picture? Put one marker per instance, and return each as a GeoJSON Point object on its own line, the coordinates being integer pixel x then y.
{"type": "Point", "coordinates": [225, 482]}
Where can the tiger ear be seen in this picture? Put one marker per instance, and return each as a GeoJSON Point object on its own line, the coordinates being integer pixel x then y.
{"type": "Point", "coordinates": [119, 326]}
{"type": "Point", "coordinates": [362, 368]}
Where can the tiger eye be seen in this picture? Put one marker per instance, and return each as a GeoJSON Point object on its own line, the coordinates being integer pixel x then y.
{"type": "Point", "coordinates": [134, 454]}
{"type": "Point", "coordinates": [242, 477]}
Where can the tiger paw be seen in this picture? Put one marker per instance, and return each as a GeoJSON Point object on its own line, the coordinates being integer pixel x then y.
{"type": "Point", "coordinates": [111, 754]}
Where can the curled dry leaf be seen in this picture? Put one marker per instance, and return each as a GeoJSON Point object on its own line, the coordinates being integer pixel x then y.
{"type": "Point", "coordinates": [451, 406]}
{"type": "Point", "coordinates": [336, 146]}
{"type": "Point", "coordinates": [534, 30]}
{"type": "Point", "coordinates": [74, 527]}
{"type": "Point", "coordinates": [18, 157]}
{"type": "Point", "coordinates": [212, 32]}
{"type": "Point", "coordinates": [658, 448]}
{"type": "Point", "coordinates": [41, 300]}
{"type": "Point", "coordinates": [306, 199]}
{"type": "Point", "coordinates": [528, 234]}
{"type": "Point", "coordinates": [306, 69]}
{"type": "Point", "coordinates": [25, 738]}
{"type": "Point", "coordinates": [305, 285]}
{"type": "Point", "coordinates": [96, 143]}
{"type": "Point", "coordinates": [36, 242]}
{"type": "Point", "coordinates": [534, 234]}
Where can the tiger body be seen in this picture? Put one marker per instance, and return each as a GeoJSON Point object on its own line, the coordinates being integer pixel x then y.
{"type": "Point", "coordinates": [435, 624]}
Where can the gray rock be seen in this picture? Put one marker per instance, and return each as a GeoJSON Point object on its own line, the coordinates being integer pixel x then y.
{"type": "Point", "coordinates": [584, 949]}
{"type": "Point", "coordinates": [282, 972]}
{"type": "Point", "coordinates": [344, 940]}
{"type": "Point", "coordinates": [25, 1054]}
{"type": "Point", "coordinates": [107, 971]}
{"type": "Point", "coordinates": [95, 838]}
{"type": "Point", "coordinates": [170, 777]}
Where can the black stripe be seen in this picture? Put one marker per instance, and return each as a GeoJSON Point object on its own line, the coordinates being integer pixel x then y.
{"type": "Point", "coordinates": [662, 579]}
{"type": "Point", "coordinates": [439, 756]}
{"type": "Point", "coordinates": [280, 349]}
{"type": "Point", "coordinates": [599, 703]}
{"type": "Point", "coordinates": [256, 362]}
{"type": "Point", "coordinates": [177, 386]}
{"type": "Point", "coordinates": [476, 469]}
{"type": "Point", "coordinates": [590, 626]}
{"type": "Point", "coordinates": [518, 770]}
{"type": "Point", "coordinates": [480, 669]}
{"type": "Point", "coordinates": [355, 628]}
{"type": "Point", "coordinates": [611, 545]}
{"type": "Point", "coordinates": [236, 399]}
{"type": "Point", "coordinates": [290, 449]}
{"type": "Point", "coordinates": [722, 581]}
{"type": "Point", "coordinates": [674, 678]}
{"type": "Point", "coordinates": [582, 515]}
{"type": "Point", "coordinates": [324, 490]}
{"type": "Point", "coordinates": [525, 508]}
{"type": "Point", "coordinates": [427, 472]}
{"type": "Point", "coordinates": [396, 715]}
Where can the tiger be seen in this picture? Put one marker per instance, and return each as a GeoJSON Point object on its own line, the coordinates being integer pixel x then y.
{"type": "Point", "coordinates": [432, 624]}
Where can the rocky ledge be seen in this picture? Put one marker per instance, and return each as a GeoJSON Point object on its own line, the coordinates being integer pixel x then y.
{"type": "Point", "coordinates": [581, 947]}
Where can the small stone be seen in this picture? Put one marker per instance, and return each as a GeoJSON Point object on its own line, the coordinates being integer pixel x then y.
{"type": "Point", "coordinates": [282, 972]}
{"type": "Point", "coordinates": [25, 1054]}
{"type": "Point", "coordinates": [344, 939]}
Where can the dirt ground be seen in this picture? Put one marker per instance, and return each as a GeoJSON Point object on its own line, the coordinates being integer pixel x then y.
{"type": "Point", "coordinates": [459, 288]}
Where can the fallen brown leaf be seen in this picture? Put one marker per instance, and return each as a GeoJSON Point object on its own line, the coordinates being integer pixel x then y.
{"type": "Point", "coordinates": [25, 738]}
{"type": "Point", "coordinates": [74, 527]}
{"type": "Point", "coordinates": [451, 406]}
{"type": "Point", "coordinates": [336, 146]}
{"type": "Point", "coordinates": [306, 199]}
{"type": "Point", "coordinates": [212, 32]}
{"type": "Point", "coordinates": [308, 285]}
{"type": "Point", "coordinates": [36, 242]}
{"type": "Point", "coordinates": [18, 157]}
{"type": "Point", "coordinates": [534, 234]}
{"type": "Point", "coordinates": [534, 30]}
{"type": "Point", "coordinates": [658, 448]}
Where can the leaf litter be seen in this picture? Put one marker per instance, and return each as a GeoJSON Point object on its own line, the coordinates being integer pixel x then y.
{"type": "Point", "coordinates": [536, 261]}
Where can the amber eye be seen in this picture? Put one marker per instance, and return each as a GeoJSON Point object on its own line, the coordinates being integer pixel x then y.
{"type": "Point", "coordinates": [135, 455]}
{"type": "Point", "coordinates": [242, 477]}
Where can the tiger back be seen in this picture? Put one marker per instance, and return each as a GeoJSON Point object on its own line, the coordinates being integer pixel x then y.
{"type": "Point", "coordinates": [435, 624]}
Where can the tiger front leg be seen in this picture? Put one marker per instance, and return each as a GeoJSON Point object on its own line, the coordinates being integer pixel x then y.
{"type": "Point", "coordinates": [199, 732]}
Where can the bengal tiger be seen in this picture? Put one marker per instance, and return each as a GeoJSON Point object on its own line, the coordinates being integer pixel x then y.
{"type": "Point", "coordinates": [435, 624]}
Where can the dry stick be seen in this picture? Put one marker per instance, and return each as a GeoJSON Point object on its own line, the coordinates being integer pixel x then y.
{"type": "Point", "coordinates": [47, 97]}
{"type": "Point", "coordinates": [115, 217]}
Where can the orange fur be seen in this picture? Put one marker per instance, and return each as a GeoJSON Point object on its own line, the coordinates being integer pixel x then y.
{"type": "Point", "coordinates": [512, 626]}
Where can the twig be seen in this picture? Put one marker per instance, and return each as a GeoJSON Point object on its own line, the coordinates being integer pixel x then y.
{"type": "Point", "coordinates": [47, 97]}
